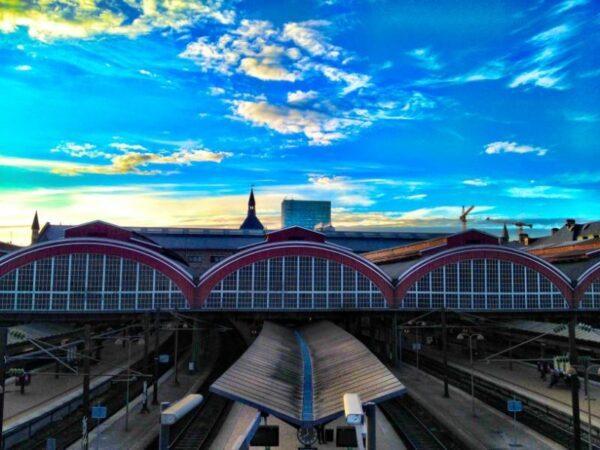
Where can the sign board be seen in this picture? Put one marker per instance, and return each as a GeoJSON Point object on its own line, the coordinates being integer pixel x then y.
{"type": "Point", "coordinates": [416, 346]}
{"type": "Point", "coordinates": [515, 406]}
{"type": "Point", "coordinates": [163, 359]}
{"type": "Point", "coordinates": [98, 412]}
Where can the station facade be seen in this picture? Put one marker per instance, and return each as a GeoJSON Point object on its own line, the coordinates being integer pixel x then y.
{"type": "Point", "coordinates": [99, 267]}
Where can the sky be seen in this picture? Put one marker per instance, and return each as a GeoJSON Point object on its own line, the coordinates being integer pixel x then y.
{"type": "Point", "coordinates": [165, 113]}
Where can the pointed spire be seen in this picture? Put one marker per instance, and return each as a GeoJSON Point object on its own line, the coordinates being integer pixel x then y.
{"type": "Point", "coordinates": [251, 201]}
{"type": "Point", "coordinates": [36, 223]}
{"type": "Point", "coordinates": [251, 222]}
{"type": "Point", "coordinates": [35, 229]}
{"type": "Point", "coordinates": [505, 236]}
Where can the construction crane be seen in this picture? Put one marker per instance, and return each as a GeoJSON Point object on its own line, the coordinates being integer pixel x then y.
{"type": "Point", "coordinates": [463, 216]}
{"type": "Point", "coordinates": [517, 223]}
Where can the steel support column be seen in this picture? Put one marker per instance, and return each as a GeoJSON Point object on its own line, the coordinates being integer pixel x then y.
{"type": "Point", "coordinates": [573, 359]}
{"type": "Point", "coordinates": [445, 350]}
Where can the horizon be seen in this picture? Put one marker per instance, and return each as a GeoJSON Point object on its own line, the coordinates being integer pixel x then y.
{"type": "Point", "coordinates": [398, 113]}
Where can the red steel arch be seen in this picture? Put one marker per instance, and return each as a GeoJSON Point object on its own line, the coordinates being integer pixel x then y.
{"type": "Point", "coordinates": [415, 273]}
{"type": "Point", "coordinates": [294, 248]}
{"type": "Point", "coordinates": [586, 279]}
{"type": "Point", "coordinates": [109, 247]}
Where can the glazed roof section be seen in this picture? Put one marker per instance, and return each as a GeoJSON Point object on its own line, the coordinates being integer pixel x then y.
{"type": "Point", "coordinates": [300, 375]}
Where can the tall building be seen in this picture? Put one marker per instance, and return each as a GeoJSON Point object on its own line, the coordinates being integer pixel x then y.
{"type": "Point", "coordinates": [305, 213]}
{"type": "Point", "coordinates": [251, 222]}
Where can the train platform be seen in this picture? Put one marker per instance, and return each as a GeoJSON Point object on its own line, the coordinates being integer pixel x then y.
{"type": "Point", "coordinates": [490, 429]}
{"type": "Point", "coordinates": [47, 392]}
{"type": "Point", "coordinates": [143, 429]}
{"type": "Point", "coordinates": [241, 417]}
{"type": "Point", "coordinates": [524, 379]}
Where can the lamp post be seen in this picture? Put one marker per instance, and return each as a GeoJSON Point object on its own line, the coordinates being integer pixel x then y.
{"type": "Point", "coordinates": [589, 400]}
{"type": "Point", "coordinates": [417, 346]}
{"type": "Point", "coordinates": [470, 337]}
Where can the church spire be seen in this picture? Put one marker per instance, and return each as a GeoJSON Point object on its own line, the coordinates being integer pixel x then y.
{"type": "Point", "coordinates": [505, 236]}
{"type": "Point", "coordinates": [251, 222]}
{"type": "Point", "coordinates": [35, 229]}
{"type": "Point", "coordinates": [251, 203]}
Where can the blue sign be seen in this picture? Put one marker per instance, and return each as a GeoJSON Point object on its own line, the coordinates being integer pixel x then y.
{"type": "Point", "coordinates": [98, 412]}
{"type": "Point", "coordinates": [163, 359]}
{"type": "Point", "coordinates": [515, 406]}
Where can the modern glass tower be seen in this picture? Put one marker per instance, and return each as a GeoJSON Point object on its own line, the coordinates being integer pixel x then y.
{"type": "Point", "coordinates": [305, 213]}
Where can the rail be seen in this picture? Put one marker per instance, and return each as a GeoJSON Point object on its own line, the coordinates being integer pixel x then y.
{"type": "Point", "coordinates": [27, 434]}
{"type": "Point", "coordinates": [549, 422]}
{"type": "Point", "coordinates": [200, 428]}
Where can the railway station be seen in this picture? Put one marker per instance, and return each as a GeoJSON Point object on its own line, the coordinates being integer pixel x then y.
{"type": "Point", "coordinates": [120, 337]}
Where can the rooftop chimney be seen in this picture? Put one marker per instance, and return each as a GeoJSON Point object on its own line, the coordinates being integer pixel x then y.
{"type": "Point", "coordinates": [554, 230]}
{"type": "Point", "coordinates": [524, 239]}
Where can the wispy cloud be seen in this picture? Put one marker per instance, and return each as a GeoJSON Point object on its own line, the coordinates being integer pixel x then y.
{"type": "Point", "coordinates": [543, 192]}
{"type": "Point", "coordinates": [426, 58]}
{"type": "Point", "coordinates": [131, 160]}
{"type": "Point", "coordinates": [477, 182]}
{"type": "Point", "coordinates": [23, 68]}
{"type": "Point", "coordinates": [545, 65]}
{"type": "Point", "coordinates": [581, 117]}
{"type": "Point", "coordinates": [411, 197]}
{"type": "Point", "coordinates": [494, 148]}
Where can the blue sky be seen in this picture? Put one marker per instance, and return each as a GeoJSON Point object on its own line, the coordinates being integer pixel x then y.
{"type": "Point", "coordinates": [166, 112]}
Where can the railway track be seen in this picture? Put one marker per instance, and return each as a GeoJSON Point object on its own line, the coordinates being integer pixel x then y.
{"type": "Point", "coordinates": [416, 427]}
{"type": "Point", "coordinates": [199, 430]}
{"type": "Point", "coordinates": [111, 395]}
{"type": "Point", "coordinates": [547, 421]}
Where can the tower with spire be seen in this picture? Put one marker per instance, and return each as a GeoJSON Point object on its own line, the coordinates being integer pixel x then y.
{"type": "Point", "coordinates": [35, 229]}
{"type": "Point", "coordinates": [505, 236]}
{"type": "Point", "coordinates": [251, 222]}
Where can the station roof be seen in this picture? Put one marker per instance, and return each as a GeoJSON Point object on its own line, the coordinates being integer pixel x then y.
{"type": "Point", "coordinates": [175, 238]}
{"type": "Point", "coordinates": [300, 375]}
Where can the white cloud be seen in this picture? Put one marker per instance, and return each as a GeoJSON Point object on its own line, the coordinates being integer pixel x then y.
{"type": "Point", "coordinates": [128, 162]}
{"type": "Point", "coordinates": [301, 97]}
{"type": "Point", "coordinates": [582, 117]}
{"type": "Point", "coordinates": [493, 70]}
{"type": "Point", "coordinates": [23, 68]}
{"type": "Point", "coordinates": [545, 78]}
{"type": "Point", "coordinates": [125, 147]}
{"type": "Point", "coordinates": [545, 65]}
{"type": "Point", "coordinates": [568, 4]}
{"type": "Point", "coordinates": [258, 49]}
{"type": "Point", "coordinates": [353, 81]}
{"type": "Point", "coordinates": [498, 147]}
{"type": "Point", "coordinates": [252, 49]}
{"type": "Point", "coordinates": [80, 150]}
{"type": "Point", "coordinates": [319, 128]}
{"type": "Point", "coordinates": [543, 192]}
{"type": "Point", "coordinates": [426, 58]}
{"type": "Point", "coordinates": [411, 197]}
{"type": "Point", "coordinates": [216, 91]}
{"type": "Point", "coordinates": [67, 19]}
{"type": "Point", "coordinates": [477, 182]}
{"type": "Point", "coordinates": [307, 36]}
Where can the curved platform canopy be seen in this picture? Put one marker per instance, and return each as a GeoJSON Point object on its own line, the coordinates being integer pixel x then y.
{"type": "Point", "coordinates": [300, 375]}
